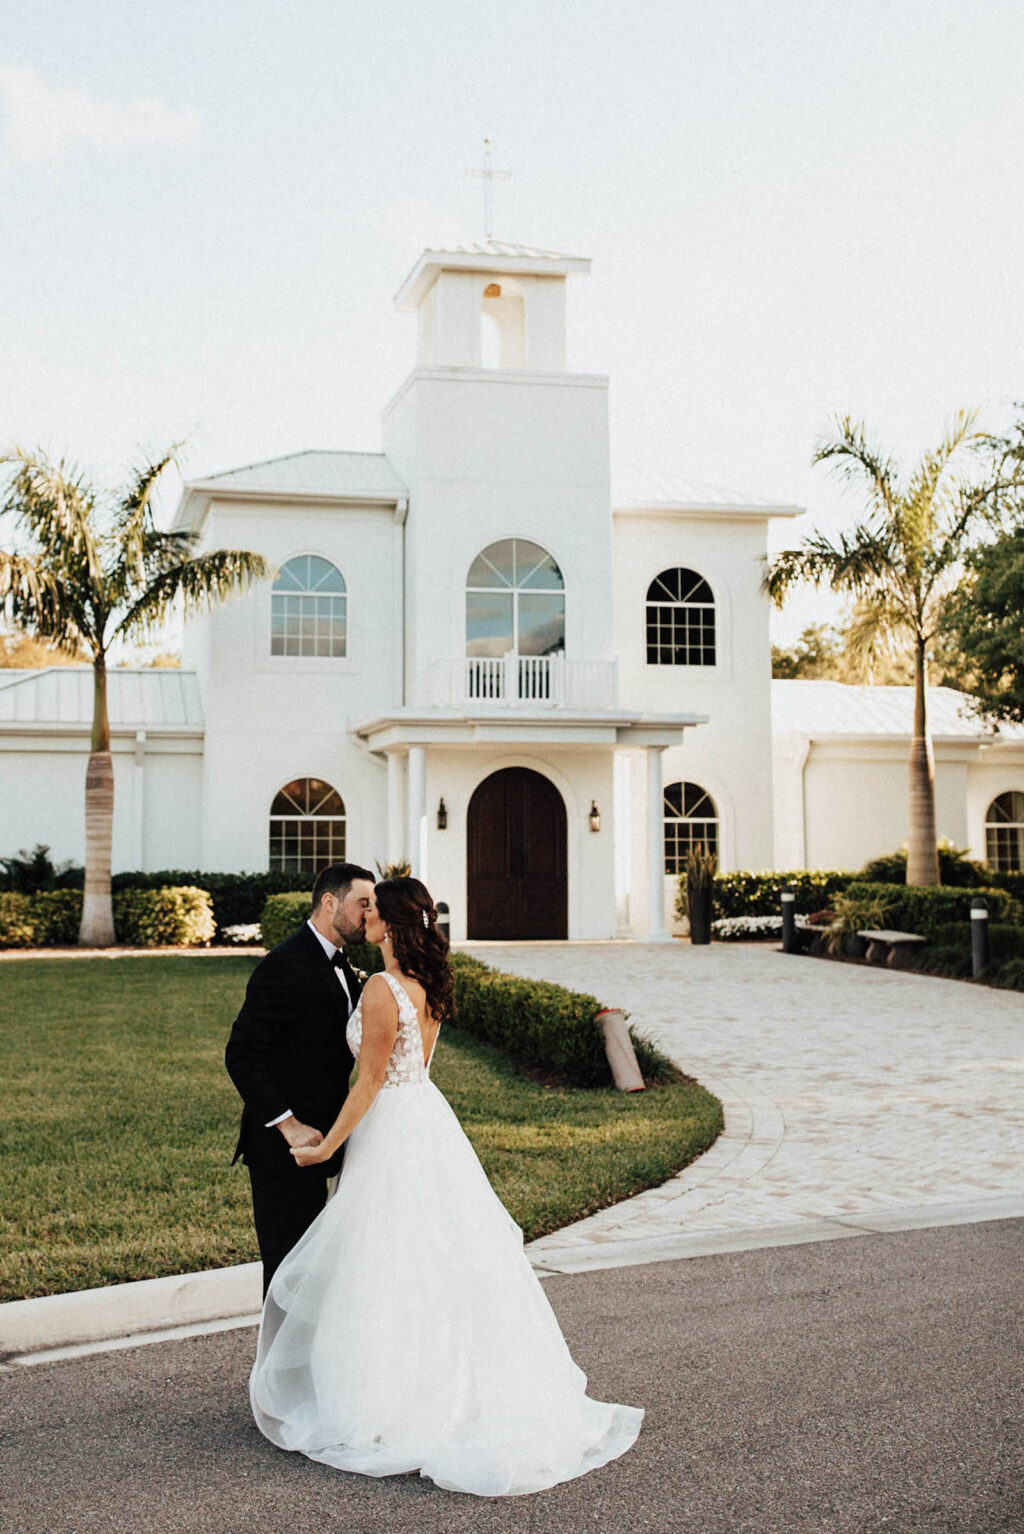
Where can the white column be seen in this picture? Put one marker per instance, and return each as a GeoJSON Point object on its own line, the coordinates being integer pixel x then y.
{"type": "Point", "coordinates": [138, 852]}
{"type": "Point", "coordinates": [655, 849]}
{"type": "Point", "coordinates": [396, 809]}
{"type": "Point", "coordinates": [415, 840]}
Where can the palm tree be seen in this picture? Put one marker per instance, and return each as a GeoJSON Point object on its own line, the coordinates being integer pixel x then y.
{"type": "Point", "coordinates": [98, 572]}
{"type": "Point", "coordinates": [898, 565]}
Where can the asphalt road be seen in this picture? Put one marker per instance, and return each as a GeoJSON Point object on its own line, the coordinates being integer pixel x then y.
{"type": "Point", "coordinates": [869, 1384]}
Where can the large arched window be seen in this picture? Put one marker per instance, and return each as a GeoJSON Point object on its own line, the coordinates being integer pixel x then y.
{"type": "Point", "coordinates": [308, 608]}
{"type": "Point", "coordinates": [1004, 832]}
{"type": "Point", "coordinates": [307, 827]}
{"type": "Point", "coordinates": [680, 620]}
{"type": "Point", "coordinates": [691, 820]}
{"type": "Point", "coordinates": [515, 600]}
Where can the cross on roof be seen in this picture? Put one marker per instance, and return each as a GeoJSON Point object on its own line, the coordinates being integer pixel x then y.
{"type": "Point", "coordinates": [488, 175]}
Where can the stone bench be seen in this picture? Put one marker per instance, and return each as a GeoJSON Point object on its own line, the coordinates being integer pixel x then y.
{"type": "Point", "coordinates": [891, 948]}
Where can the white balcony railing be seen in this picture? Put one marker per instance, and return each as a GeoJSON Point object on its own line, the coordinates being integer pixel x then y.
{"type": "Point", "coordinates": [522, 681]}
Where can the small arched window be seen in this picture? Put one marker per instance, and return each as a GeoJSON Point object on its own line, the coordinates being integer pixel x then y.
{"type": "Point", "coordinates": [691, 820]}
{"type": "Point", "coordinates": [515, 600]}
{"type": "Point", "coordinates": [1004, 832]}
{"type": "Point", "coordinates": [680, 620]}
{"type": "Point", "coordinates": [308, 605]}
{"type": "Point", "coordinates": [307, 827]}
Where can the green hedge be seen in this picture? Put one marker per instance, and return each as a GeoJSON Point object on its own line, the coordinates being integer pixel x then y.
{"type": "Point", "coordinates": [17, 929]}
{"type": "Point", "coordinates": [536, 1024]}
{"type": "Point", "coordinates": [150, 918]}
{"type": "Point", "coordinates": [760, 894]}
{"type": "Point", "coordinates": [928, 909]}
{"type": "Point", "coordinates": [157, 918]}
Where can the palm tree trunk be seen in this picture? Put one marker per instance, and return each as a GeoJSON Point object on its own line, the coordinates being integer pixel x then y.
{"type": "Point", "coordinates": [97, 929]}
{"type": "Point", "coordinates": [922, 844]}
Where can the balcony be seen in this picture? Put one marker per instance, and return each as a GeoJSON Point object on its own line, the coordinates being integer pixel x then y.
{"type": "Point", "coordinates": [521, 682]}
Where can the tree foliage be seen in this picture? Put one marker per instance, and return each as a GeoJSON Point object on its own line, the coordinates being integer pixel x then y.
{"type": "Point", "coordinates": [984, 621]}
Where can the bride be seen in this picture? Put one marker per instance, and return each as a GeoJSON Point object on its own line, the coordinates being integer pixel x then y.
{"type": "Point", "coordinates": [407, 1330]}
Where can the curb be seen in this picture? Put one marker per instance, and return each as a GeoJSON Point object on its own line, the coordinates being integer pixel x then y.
{"type": "Point", "coordinates": [148, 1304]}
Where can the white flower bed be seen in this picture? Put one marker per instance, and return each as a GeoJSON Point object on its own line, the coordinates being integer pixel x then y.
{"type": "Point", "coordinates": [243, 932]}
{"type": "Point", "coordinates": [736, 928]}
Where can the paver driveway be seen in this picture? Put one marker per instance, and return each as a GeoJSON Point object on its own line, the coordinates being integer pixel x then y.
{"type": "Point", "coordinates": [855, 1098]}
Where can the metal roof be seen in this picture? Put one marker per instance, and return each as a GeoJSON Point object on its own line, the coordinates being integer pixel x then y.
{"type": "Point", "coordinates": [635, 488]}
{"type": "Point", "coordinates": [151, 698]}
{"type": "Point", "coordinates": [818, 709]}
{"type": "Point", "coordinates": [318, 473]}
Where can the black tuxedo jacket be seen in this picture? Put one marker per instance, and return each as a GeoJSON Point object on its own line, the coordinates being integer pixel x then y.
{"type": "Point", "coordinates": [287, 1050]}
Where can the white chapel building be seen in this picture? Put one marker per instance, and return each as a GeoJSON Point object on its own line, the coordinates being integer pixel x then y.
{"type": "Point", "coordinates": [482, 652]}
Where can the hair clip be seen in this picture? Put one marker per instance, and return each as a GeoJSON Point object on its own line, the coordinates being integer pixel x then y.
{"type": "Point", "coordinates": [426, 919]}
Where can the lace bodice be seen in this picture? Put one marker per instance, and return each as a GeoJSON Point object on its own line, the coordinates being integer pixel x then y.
{"type": "Point", "coordinates": [406, 1066]}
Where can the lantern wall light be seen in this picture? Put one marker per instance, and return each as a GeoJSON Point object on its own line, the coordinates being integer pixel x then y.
{"type": "Point", "coordinates": [442, 816]}
{"type": "Point", "coordinates": [595, 816]}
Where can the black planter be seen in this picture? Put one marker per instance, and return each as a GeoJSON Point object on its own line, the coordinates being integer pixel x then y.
{"type": "Point", "coordinates": [699, 906]}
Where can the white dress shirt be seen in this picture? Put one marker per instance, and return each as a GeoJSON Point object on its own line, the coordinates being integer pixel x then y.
{"type": "Point", "coordinates": [330, 950]}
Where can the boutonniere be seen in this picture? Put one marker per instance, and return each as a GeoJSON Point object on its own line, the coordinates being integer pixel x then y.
{"type": "Point", "coordinates": [360, 974]}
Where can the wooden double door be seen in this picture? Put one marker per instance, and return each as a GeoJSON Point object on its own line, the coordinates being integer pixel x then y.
{"type": "Point", "coordinates": [516, 834]}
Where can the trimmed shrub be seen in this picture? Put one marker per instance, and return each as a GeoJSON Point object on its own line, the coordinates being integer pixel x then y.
{"type": "Point", "coordinates": [238, 899]}
{"type": "Point", "coordinates": [542, 1026]}
{"type": "Point", "coordinates": [955, 869]}
{"type": "Point", "coordinates": [17, 929]}
{"type": "Point", "coordinates": [280, 916]}
{"type": "Point", "coordinates": [56, 918]}
{"type": "Point", "coordinates": [927, 908]}
{"type": "Point", "coordinates": [156, 918]}
{"type": "Point", "coordinates": [1009, 975]}
{"type": "Point", "coordinates": [760, 894]}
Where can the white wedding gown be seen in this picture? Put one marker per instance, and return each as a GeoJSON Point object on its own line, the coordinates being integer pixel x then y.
{"type": "Point", "coordinates": [407, 1330]}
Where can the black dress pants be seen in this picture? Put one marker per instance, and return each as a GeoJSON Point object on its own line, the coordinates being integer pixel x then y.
{"type": "Point", "coordinates": [283, 1209]}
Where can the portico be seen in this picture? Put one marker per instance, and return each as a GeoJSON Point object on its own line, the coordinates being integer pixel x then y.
{"type": "Point", "coordinates": [528, 834]}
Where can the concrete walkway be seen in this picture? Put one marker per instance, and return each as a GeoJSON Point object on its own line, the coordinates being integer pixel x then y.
{"type": "Point", "coordinates": [856, 1099]}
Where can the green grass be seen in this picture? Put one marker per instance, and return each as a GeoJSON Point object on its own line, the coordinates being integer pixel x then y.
{"type": "Point", "coordinates": [119, 1124]}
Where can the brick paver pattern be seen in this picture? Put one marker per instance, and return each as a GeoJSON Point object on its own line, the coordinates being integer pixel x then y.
{"type": "Point", "coordinates": [849, 1091]}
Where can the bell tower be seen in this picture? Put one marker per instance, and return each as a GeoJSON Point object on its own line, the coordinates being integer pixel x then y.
{"type": "Point", "coordinates": [515, 292]}
{"type": "Point", "coordinates": [497, 440]}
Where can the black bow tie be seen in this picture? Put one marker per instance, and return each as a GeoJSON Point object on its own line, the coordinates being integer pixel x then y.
{"type": "Point", "coordinates": [339, 960]}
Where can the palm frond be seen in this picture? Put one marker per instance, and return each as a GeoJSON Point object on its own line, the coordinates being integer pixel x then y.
{"type": "Point", "coordinates": [872, 635]}
{"type": "Point", "coordinates": [854, 458]}
{"type": "Point", "coordinates": [854, 563]}
{"type": "Point", "coordinates": [55, 506]}
{"type": "Point", "coordinates": [134, 517]}
{"type": "Point", "coordinates": [195, 583]}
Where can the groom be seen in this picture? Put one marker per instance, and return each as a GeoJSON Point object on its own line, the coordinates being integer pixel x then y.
{"type": "Point", "coordinates": [288, 1057]}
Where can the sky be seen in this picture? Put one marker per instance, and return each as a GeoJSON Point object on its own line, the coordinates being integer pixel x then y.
{"type": "Point", "coordinates": [792, 210]}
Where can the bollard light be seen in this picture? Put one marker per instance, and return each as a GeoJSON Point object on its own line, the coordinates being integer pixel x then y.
{"type": "Point", "coordinates": [979, 936]}
{"type": "Point", "coordinates": [789, 921]}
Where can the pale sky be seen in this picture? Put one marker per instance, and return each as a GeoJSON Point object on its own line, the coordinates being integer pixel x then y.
{"type": "Point", "coordinates": [792, 209]}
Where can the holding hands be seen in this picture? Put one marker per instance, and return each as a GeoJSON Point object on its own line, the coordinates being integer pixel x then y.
{"type": "Point", "coordinates": [303, 1140]}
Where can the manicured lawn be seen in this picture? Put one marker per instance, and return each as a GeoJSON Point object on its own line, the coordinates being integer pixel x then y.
{"type": "Point", "coordinates": [119, 1124]}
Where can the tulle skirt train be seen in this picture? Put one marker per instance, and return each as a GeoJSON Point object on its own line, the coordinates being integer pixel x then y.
{"type": "Point", "coordinates": [407, 1331]}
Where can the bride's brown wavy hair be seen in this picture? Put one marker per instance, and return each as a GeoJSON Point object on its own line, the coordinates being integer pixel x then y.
{"type": "Point", "coordinates": [420, 947]}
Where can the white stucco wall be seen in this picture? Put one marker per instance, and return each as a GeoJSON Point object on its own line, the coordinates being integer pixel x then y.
{"type": "Point", "coordinates": [730, 755]}
{"type": "Point", "coordinates": [493, 456]}
{"type": "Point", "coordinates": [157, 786]}
{"type": "Point", "coordinates": [271, 719]}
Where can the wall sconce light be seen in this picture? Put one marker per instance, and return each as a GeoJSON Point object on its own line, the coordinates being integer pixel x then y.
{"type": "Point", "coordinates": [442, 816]}
{"type": "Point", "coordinates": [595, 816]}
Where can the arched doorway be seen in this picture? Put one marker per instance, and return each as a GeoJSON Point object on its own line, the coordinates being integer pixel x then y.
{"type": "Point", "coordinates": [516, 835]}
